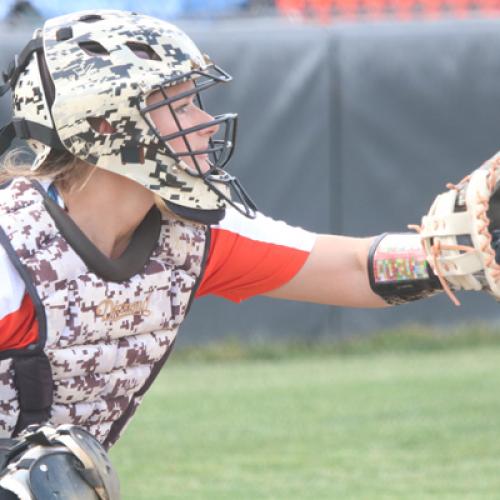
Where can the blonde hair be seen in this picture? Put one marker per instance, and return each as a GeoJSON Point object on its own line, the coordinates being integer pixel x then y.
{"type": "Point", "coordinates": [60, 167]}
{"type": "Point", "coordinates": [64, 169]}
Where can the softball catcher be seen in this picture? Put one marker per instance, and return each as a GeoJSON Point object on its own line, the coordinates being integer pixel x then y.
{"type": "Point", "coordinates": [127, 214]}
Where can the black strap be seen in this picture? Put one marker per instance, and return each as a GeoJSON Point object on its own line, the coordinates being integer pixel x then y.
{"type": "Point", "coordinates": [17, 65]}
{"type": "Point", "coordinates": [20, 127]}
{"type": "Point", "coordinates": [7, 135]}
{"type": "Point", "coordinates": [403, 290]}
{"type": "Point", "coordinates": [33, 381]}
{"type": "Point", "coordinates": [6, 446]}
{"type": "Point", "coordinates": [26, 129]}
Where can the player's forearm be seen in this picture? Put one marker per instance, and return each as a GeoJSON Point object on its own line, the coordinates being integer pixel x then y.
{"type": "Point", "coordinates": [335, 273]}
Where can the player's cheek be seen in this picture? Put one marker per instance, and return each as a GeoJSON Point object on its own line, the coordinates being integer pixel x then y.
{"type": "Point", "coordinates": [163, 120]}
{"type": "Point", "coordinates": [178, 145]}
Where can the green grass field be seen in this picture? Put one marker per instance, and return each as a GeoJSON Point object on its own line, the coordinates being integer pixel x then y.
{"type": "Point", "coordinates": [413, 423]}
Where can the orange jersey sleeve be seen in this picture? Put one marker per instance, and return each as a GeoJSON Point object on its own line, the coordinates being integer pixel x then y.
{"type": "Point", "coordinates": [18, 322]}
{"type": "Point", "coordinates": [19, 328]}
{"type": "Point", "coordinates": [248, 257]}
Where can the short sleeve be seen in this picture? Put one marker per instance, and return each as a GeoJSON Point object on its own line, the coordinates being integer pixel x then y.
{"type": "Point", "coordinates": [18, 324]}
{"type": "Point", "coordinates": [248, 257]}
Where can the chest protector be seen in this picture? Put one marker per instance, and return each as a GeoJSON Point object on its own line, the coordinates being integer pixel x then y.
{"type": "Point", "coordinates": [101, 341]}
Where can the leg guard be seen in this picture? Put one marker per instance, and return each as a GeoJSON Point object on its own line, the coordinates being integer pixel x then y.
{"type": "Point", "coordinates": [55, 463]}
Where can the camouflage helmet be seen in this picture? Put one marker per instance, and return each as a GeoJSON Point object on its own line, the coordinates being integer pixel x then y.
{"type": "Point", "coordinates": [88, 68]}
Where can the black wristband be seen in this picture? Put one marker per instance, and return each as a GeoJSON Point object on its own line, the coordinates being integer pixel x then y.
{"type": "Point", "coordinates": [398, 270]}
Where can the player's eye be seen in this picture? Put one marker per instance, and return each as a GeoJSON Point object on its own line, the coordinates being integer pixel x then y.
{"type": "Point", "coordinates": [182, 108]}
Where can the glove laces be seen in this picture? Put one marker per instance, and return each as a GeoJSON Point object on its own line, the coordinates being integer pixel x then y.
{"type": "Point", "coordinates": [483, 222]}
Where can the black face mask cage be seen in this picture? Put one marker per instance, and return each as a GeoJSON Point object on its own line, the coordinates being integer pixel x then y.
{"type": "Point", "coordinates": [220, 149]}
{"type": "Point", "coordinates": [220, 146]}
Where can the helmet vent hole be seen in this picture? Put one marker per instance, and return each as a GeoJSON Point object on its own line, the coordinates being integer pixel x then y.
{"type": "Point", "coordinates": [143, 51]}
{"type": "Point", "coordinates": [101, 125]}
{"type": "Point", "coordinates": [90, 18]}
{"type": "Point", "coordinates": [93, 48]}
{"type": "Point", "coordinates": [63, 34]}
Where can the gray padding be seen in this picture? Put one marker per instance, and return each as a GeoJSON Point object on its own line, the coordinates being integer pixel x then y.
{"type": "Point", "coordinates": [54, 477]}
{"type": "Point", "coordinates": [354, 129]}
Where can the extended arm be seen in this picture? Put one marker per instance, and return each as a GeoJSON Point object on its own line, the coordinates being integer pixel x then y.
{"type": "Point", "coordinates": [267, 257]}
{"type": "Point", "coordinates": [335, 273]}
{"type": "Point", "coordinates": [457, 248]}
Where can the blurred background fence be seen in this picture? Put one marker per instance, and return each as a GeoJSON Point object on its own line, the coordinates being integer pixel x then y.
{"type": "Point", "coordinates": [347, 124]}
{"type": "Point", "coordinates": [322, 10]}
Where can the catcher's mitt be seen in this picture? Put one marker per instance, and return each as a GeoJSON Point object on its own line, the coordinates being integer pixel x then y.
{"type": "Point", "coordinates": [457, 232]}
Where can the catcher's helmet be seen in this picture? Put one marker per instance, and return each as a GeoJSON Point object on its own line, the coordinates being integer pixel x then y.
{"type": "Point", "coordinates": [63, 462]}
{"type": "Point", "coordinates": [86, 68]}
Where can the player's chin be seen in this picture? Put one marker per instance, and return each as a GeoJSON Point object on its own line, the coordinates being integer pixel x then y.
{"type": "Point", "coordinates": [201, 166]}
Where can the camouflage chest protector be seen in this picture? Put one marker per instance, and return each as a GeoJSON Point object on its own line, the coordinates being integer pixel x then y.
{"type": "Point", "coordinates": [101, 342]}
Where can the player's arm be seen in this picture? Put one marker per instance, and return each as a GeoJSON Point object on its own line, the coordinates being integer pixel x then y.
{"type": "Point", "coordinates": [335, 273]}
{"type": "Point", "coordinates": [268, 257]}
{"type": "Point", "coordinates": [363, 272]}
